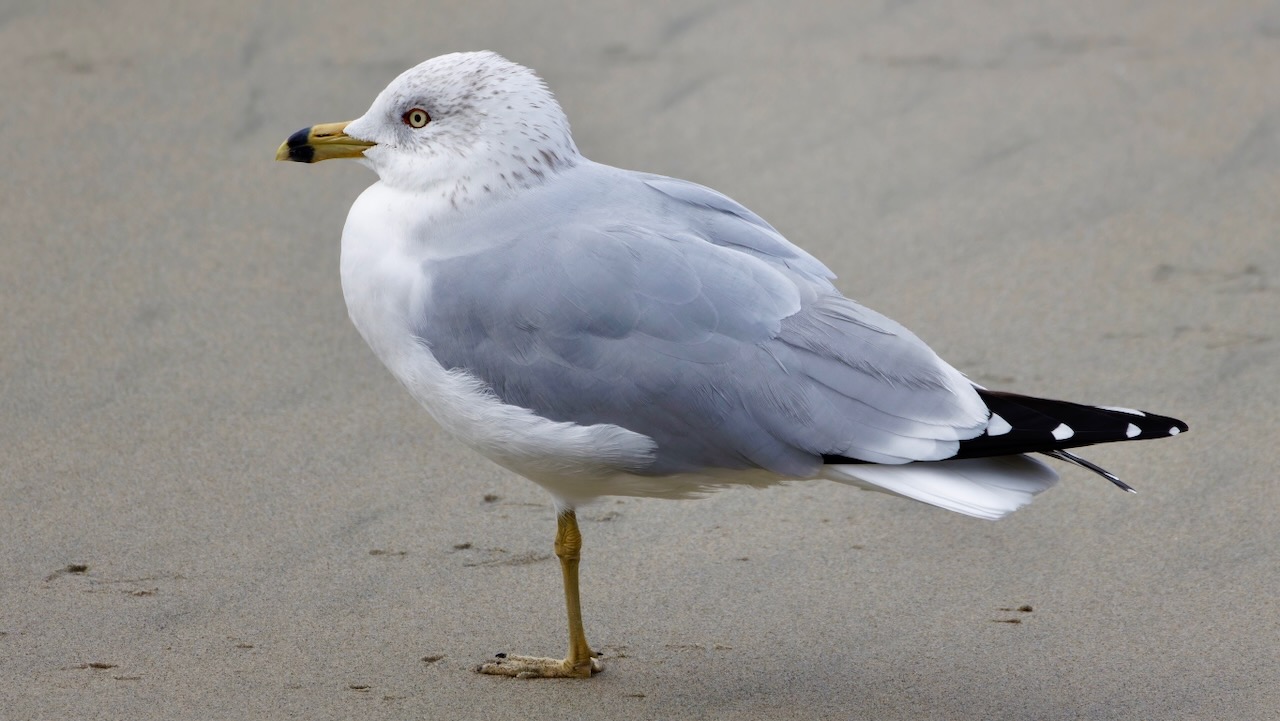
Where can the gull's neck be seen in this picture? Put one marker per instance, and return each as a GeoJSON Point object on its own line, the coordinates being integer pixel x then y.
{"type": "Point", "coordinates": [502, 166]}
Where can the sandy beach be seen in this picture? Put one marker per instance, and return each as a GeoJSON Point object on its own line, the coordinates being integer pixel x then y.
{"type": "Point", "coordinates": [216, 504]}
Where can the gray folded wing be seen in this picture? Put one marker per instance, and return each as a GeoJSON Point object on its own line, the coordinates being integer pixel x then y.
{"type": "Point", "coordinates": [668, 309]}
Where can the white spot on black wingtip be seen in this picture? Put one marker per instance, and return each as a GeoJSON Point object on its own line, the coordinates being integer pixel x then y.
{"type": "Point", "coordinates": [1132, 431]}
{"type": "Point", "coordinates": [998, 426]}
{"type": "Point", "coordinates": [1122, 409]}
{"type": "Point", "coordinates": [1063, 432]}
{"type": "Point", "coordinates": [1175, 431]}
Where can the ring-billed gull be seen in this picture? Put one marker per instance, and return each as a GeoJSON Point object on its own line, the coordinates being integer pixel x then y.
{"type": "Point", "coordinates": [608, 332]}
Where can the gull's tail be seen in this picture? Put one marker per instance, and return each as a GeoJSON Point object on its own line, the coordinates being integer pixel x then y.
{"type": "Point", "coordinates": [980, 487]}
{"type": "Point", "coordinates": [990, 475]}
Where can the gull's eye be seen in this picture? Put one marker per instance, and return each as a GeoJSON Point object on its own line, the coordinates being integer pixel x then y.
{"type": "Point", "coordinates": [416, 118]}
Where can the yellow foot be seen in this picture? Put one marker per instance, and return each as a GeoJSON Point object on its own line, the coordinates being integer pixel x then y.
{"type": "Point", "coordinates": [533, 667]}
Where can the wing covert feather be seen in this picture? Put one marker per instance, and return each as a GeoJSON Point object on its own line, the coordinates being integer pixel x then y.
{"type": "Point", "coordinates": [699, 326]}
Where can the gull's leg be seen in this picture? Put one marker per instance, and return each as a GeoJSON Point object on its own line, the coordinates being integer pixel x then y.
{"type": "Point", "coordinates": [581, 662]}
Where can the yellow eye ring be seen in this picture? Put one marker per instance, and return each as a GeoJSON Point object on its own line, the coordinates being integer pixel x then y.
{"type": "Point", "coordinates": [416, 118]}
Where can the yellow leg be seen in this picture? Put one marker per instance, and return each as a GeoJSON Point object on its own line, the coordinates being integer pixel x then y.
{"type": "Point", "coordinates": [581, 661]}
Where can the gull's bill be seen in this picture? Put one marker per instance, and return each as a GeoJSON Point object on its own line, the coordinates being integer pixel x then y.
{"type": "Point", "coordinates": [321, 142]}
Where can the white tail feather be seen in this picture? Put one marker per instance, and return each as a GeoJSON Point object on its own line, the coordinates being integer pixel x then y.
{"type": "Point", "coordinates": [981, 487]}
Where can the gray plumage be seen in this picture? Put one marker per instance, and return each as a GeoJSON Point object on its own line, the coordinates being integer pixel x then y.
{"type": "Point", "coordinates": [670, 310]}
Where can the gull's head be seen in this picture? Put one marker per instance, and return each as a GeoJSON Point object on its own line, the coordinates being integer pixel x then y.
{"type": "Point", "coordinates": [465, 124]}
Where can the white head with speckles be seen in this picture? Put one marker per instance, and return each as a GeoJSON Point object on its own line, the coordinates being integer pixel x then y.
{"type": "Point", "coordinates": [465, 125]}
